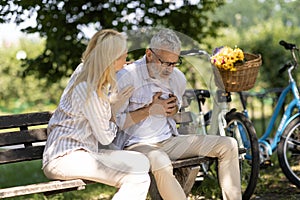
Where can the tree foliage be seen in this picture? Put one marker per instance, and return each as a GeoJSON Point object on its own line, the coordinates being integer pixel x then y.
{"type": "Point", "coordinates": [18, 94]}
{"type": "Point", "coordinates": [257, 27]}
{"type": "Point", "coordinates": [62, 23]}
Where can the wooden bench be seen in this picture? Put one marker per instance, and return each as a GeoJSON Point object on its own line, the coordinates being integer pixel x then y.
{"type": "Point", "coordinates": [23, 136]}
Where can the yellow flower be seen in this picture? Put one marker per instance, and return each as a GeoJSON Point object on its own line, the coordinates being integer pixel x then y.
{"type": "Point", "coordinates": [225, 58]}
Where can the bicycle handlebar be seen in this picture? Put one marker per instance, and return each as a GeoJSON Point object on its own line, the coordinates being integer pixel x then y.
{"type": "Point", "coordinates": [193, 52]}
{"type": "Point", "coordinates": [284, 68]}
{"type": "Point", "coordinates": [294, 63]}
{"type": "Point", "coordinates": [288, 46]}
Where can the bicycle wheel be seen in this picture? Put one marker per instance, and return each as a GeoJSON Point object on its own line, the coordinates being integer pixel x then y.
{"type": "Point", "coordinates": [241, 128]}
{"type": "Point", "coordinates": [289, 151]}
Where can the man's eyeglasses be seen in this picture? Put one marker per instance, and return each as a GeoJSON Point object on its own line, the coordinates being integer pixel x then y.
{"type": "Point", "coordinates": [167, 64]}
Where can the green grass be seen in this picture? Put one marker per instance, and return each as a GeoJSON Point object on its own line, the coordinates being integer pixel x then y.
{"type": "Point", "coordinates": [24, 173]}
{"type": "Point", "coordinates": [271, 183]}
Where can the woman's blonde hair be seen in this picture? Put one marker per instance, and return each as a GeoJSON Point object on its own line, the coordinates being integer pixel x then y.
{"type": "Point", "coordinates": [104, 48]}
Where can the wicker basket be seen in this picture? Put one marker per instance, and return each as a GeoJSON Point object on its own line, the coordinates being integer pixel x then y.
{"type": "Point", "coordinates": [243, 78]}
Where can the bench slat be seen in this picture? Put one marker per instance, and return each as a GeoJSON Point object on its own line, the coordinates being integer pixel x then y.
{"type": "Point", "coordinates": [21, 154]}
{"type": "Point", "coordinates": [42, 187]}
{"type": "Point", "coordinates": [28, 119]}
{"type": "Point", "coordinates": [190, 162]}
{"type": "Point", "coordinates": [21, 137]}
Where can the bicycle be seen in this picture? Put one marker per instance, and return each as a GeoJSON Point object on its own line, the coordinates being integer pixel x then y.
{"type": "Point", "coordinates": [230, 123]}
{"type": "Point", "coordinates": [287, 137]}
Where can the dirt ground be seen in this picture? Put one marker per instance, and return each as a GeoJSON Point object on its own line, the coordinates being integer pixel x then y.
{"type": "Point", "coordinates": [281, 190]}
{"type": "Point", "coordinates": [272, 185]}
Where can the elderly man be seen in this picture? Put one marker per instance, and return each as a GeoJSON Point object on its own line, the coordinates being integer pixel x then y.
{"type": "Point", "coordinates": [146, 119]}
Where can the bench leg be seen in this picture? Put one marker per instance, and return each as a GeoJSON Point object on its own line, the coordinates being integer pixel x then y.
{"type": "Point", "coordinates": [186, 176]}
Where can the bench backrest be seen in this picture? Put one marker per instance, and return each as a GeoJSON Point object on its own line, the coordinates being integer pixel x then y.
{"type": "Point", "coordinates": [22, 136]}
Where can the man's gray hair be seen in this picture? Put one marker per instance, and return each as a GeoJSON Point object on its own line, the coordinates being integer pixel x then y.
{"type": "Point", "coordinates": [166, 39]}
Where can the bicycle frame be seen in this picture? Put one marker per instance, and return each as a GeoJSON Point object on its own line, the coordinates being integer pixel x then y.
{"type": "Point", "coordinates": [245, 137]}
{"type": "Point", "coordinates": [220, 109]}
{"type": "Point", "coordinates": [218, 114]}
{"type": "Point", "coordinates": [285, 119]}
{"type": "Point", "coordinates": [252, 152]}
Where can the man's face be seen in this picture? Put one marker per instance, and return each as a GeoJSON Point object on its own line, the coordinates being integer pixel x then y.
{"type": "Point", "coordinates": [162, 62]}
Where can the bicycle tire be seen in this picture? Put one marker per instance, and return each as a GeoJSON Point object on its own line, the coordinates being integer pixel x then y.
{"type": "Point", "coordinates": [289, 151]}
{"type": "Point", "coordinates": [249, 164]}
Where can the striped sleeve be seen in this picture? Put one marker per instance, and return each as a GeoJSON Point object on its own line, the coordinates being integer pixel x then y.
{"type": "Point", "coordinates": [97, 113]}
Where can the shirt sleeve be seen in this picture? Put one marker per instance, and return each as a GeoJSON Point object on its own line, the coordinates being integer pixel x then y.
{"type": "Point", "coordinates": [123, 80]}
{"type": "Point", "coordinates": [98, 113]}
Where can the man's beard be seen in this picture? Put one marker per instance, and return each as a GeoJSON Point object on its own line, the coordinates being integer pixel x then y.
{"type": "Point", "coordinates": [159, 73]}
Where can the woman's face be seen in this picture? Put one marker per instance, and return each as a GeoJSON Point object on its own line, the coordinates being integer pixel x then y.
{"type": "Point", "coordinates": [120, 62]}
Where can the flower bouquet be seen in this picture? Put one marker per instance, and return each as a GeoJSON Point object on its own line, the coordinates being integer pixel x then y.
{"type": "Point", "coordinates": [234, 69]}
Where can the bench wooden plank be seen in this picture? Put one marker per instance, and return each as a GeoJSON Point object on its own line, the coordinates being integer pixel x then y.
{"type": "Point", "coordinates": [21, 137]}
{"type": "Point", "coordinates": [42, 187]}
{"type": "Point", "coordinates": [28, 119]}
{"type": "Point", "coordinates": [190, 161]}
{"type": "Point", "coordinates": [21, 154]}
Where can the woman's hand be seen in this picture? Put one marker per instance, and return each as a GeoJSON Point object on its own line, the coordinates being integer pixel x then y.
{"type": "Point", "coordinates": [117, 100]}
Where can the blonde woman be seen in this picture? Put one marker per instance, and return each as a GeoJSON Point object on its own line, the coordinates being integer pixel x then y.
{"type": "Point", "coordinates": [83, 122]}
